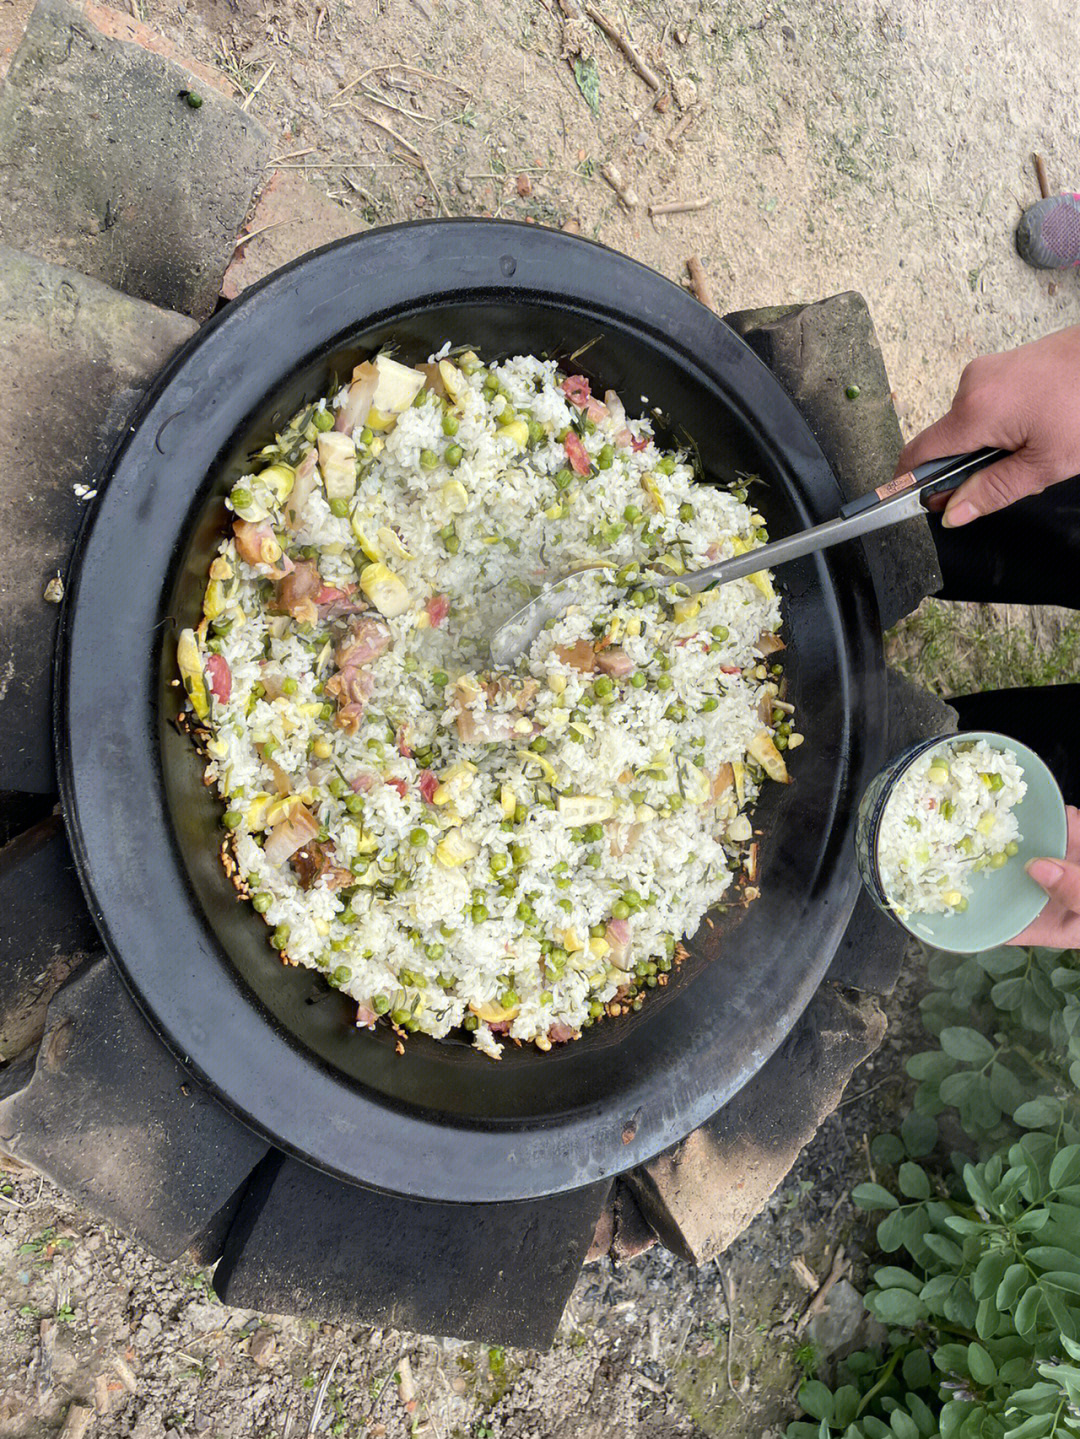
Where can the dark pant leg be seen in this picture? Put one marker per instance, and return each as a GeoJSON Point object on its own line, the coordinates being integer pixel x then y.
{"type": "Point", "coordinates": [1044, 719]}
{"type": "Point", "coordinates": [1028, 554]}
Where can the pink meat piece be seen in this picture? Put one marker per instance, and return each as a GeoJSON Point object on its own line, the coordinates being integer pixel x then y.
{"type": "Point", "coordinates": [305, 482]}
{"type": "Point", "coordinates": [220, 676]}
{"type": "Point", "coordinates": [429, 783]}
{"type": "Point", "coordinates": [250, 538]}
{"type": "Point", "coordinates": [366, 641]}
{"type": "Point", "coordinates": [438, 607]}
{"type": "Point", "coordinates": [296, 592]}
{"type": "Point", "coordinates": [616, 663]}
{"type": "Point", "coordinates": [576, 389]}
{"type": "Point", "coordinates": [559, 1033]}
{"type": "Point", "coordinates": [576, 453]}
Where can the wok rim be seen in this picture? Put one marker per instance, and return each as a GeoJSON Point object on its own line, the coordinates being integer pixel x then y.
{"type": "Point", "coordinates": [364, 1140]}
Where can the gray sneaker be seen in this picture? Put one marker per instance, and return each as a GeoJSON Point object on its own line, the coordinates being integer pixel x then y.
{"type": "Point", "coordinates": [1048, 235]}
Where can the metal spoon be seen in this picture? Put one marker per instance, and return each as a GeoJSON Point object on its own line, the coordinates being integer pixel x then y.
{"type": "Point", "coordinates": [896, 500]}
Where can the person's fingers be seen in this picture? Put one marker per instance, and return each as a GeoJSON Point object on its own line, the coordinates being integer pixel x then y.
{"type": "Point", "coordinates": [954, 434]}
{"type": "Point", "coordinates": [992, 489]}
{"type": "Point", "coordinates": [1059, 878]}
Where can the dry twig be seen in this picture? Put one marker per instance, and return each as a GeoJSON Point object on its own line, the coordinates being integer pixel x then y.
{"type": "Point", "coordinates": [679, 207]}
{"type": "Point", "coordinates": [259, 83]}
{"type": "Point", "coordinates": [243, 239]}
{"type": "Point", "coordinates": [731, 1328]}
{"type": "Point", "coordinates": [625, 191]}
{"type": "Point", "coordinates": [805, 1274]}
{"type": "Point", "coordinates": [320, 1397]}
{"type": "Point", "coordinates": [618, 39]}
{"type": "Point", "coordinates": [837, 1270]}
{"type": "Point", "coordinates": [339, 98]}
{"type": "Point", "coordinates": [76, 1422]}
{"type": "Point", "coordinates": [416, 156]}
{"type": "Point", "coordinates": [699, 284]}
{"type": "Point", "coordinates": [1040, 175]}
{"type": "Point", "coordinates": [681, 128]}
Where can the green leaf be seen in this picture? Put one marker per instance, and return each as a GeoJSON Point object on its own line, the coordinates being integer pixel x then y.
{"type": "Point", "coordinates": [588, 82]}
{"type": "Point", "coordinates": [1008, 994]}
{"type": "Point", "coordinates": [923, 1416]}
{"type": "Point", "coordinates": [916, 1369]}
{"type": "Point", "coordinates": [891, 1276]}
{"type": "Point", "coordinates": [873, 1196]}
{"type": "Point", "coordinates": [1065, 1279]}
{"type": "Point", "coordinates": [952, 1417]}
{"type": "Point", "coordinates": [1066, 1167]}
{"type": "Point", "coordinates": [945, 1249]}
{"type": "Point", "coordinates": [989, 1272]}
{"type": "Point", "coordinates": [903, 1426]}
{"type": "Point", "coordinates": [845, 1405]}
{"type": "Point", "coordinates": [913, 1181]}
{"type": "Point", "coordinates": [887, 1148]}
{"type": "Point", "coordinates": [1012, 1286]}
{"type": "Point", "coordinates": [956, 1088]}
{"type": "Point", "coordinates": [1005, 1089]}
{"type": "Point", "coordinates": [860, 1363]}
{"type": "Point", "coordinates": [987, 1319]}
{"type": "Point", "coordinates": [919, 1133]}
{"type": "Point", "coordinates": [873, 1428]}
{"type": "Point", "coordinates": [1027, 1311]}
{"type": "Point", "coordinates": [896, 1306]}
{"type": "Point", "coordinates": [890, 1232]}
{"type": "Point", "coordinates": [1031, 1222]}
{"type": "Point", "coordinates": [1005, 960]}
{"type": "Point", "coordinates": [1049, 1256]}
{"type": "Point", "coordinates": [1034, 1428]}
{"type": "Point", "coordinates": [816, 1399]}
{"type": "Point", "coordinates": [930, 1064]}
{"type": "Point", "coordinates": [966, 1044]}
{"type": "Point", "coordinates": [977, 1187]}
{"type": "Point", "coordinates": [980, 1366]}
{"type": "Point", "coordinates": [951, 1359]}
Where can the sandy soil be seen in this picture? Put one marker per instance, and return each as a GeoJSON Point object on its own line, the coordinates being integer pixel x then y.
{"type": "Point", "coordinates": [881, 148]}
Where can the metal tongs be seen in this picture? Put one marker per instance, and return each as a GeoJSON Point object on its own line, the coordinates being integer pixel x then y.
{"type": "Point", "coordinates": [898, 499]}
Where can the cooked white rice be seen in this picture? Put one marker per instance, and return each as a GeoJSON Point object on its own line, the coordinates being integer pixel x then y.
{"type": "Point", "coordinates": [949, 818]}
{"type": "Point", "coordinates": [541, 869]}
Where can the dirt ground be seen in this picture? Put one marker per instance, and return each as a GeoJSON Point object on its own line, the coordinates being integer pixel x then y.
{"type": "Point", "coordinates": [884, 148]}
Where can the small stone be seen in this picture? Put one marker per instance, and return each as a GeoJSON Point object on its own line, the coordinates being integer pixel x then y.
{"type": "Point", "coordinates": [663, 103]}
{"type": "Point", "coordinates": [464, 184]}
{"type": "Point", "coordinates": [54, 590]}
{"type": "Point", "coordinates": [571, 226]}
{"type": "Point", "coordinates": [684, 91]}
{"type": "Point", "coordinates": [458, 1385]}
{"type": "Point", "coordinates": [788, 32]}
{"type": "Point", "coordinates": [201, 1316]}
{"type": "Point", "coordinates": [681, 37]}
{"type": "Point", "coordinates": [262, 1347]}
{"type": "Point", "coordinates": [523, 186]}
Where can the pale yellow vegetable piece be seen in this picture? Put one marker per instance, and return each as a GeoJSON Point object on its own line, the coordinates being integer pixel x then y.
{"type": "Point", "coordinates": [455, 497]}
{"type": "Point", "coordinates": [985, 823]}
{"type": "Point", "coordinates": [337, 461]}
{"type": "Point", "coordinates": [386, 591]}
{"type": "Point", "coordinates": [578, 809]}
{"type": "Point", "coordinates": [454, 381]}
{"type": "Point", "coordinates": [768, 757]}
{"type": "Point", "coordinates": [598, 946]}
{"type": "Point", "coordinates": [255, 815]}
{"type": "Point", "coordinates": [191, 672]}
{"type": "Point", "coordinates": [686, 609]}
{"type": "Point", "coordinates": [392, 545]}
{"type": "Point", "coordinates": [652, 489]}
{"type": "Point", "coordinates": [454, 849]}
{"type": "Point", "coordinates": [280, 478]}
{"type": "Point", "coordinates": [214, 600]}
{"type": "Point", "coordinates": [396, 388]}
{"type": "Point", "coordinates": [492, 1012]}
{"type": "Point", "coordinates": [363, 538]}
{"type": "Point", "coordinates": [518, 431]}
{"type": "Point", "coordinates": [508, 801]}
{"type": "Point", "coordinates": [322, 748]}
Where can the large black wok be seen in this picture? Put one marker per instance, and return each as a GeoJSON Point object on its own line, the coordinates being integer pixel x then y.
{"type": "Point", "coordinates": [275, 1044]}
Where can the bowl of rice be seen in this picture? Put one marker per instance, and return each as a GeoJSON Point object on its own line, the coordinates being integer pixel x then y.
{"type": "Point", "coordinates": [945, 832]}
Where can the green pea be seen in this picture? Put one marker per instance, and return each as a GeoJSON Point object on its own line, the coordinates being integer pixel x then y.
{"type": "Point", "coordinates": [719, 632]}
{"type": "Point", "coordinates": [594, 833]}
{"type": "Point", "coordinates": [537, 433]}
{"type": "Point", "coordinates": [428, 460]}
{"type": "Point", "coordinates": [241, 498]}
{"type": "Point", "coordinates": [603, 685]}
{"type": "Point", "coordinates": [664, 682]}
{"type": "Point", "coordinates": [637, 796]}
{"type": "Point", "coordinates": [280, 937]}
{"type": "Point", "coordinates": [686, 512]}
{"type": "Point", "coordinates": [521, 814]}
{"type": "Point", "coordinates": [709, 705]}
{"type": "Point", "coordinates": [323, 420]}
{"type": "Point", "coordinates": [525, 912]}
{"type": "Point", "coordinates": [366, 435]}
{"type": "Point", "coordinates": [341, 975]}
{"type": "Point", "coordinates": [676, 712]}
{"type": "Point", "coordinates": [520, 853]}
{"type": "Point", "coordinates": [620, 910]}
{"type": "Point", "coordinates": [564, 479]}
{"type": "Point", "coordinates": [491, 383]}
{"type": "Point", "coordinates": [637, 599]}
{"type": "Point", "coordinates": [231, 819]}
{"type": "Point", "coordinates": [538, 745]}
{"type": "Point", "coordinates": [452, 543]}
{"type": "Point", "coordinates": [606, 458]}
{"type": "Point", "coordinates": [498, 862]}
{"type": "Point", "coordinates": [339, 508]}
{"type": "Point", "coordinates": [289, 686]}
{"type": "Point", "coordinates": [638, 680]}
{"type": "Point", "coordinates": [418, 838]}
{"type": "Point", "coordinates": [450, 423]}
{"type": "Point", "coordinates": [355, 803]}
{"type": "Point", "coordinates": [594, 860]}
{"type": "Point", "coordinates": [479, 913]}
{"type": "Point", "coordinates": [509, 998]}
{"type": "Point", "coordinates": [453, 456]}
{"type": "Point", "coordinates": [563, 882]}
{"type": "Point", "coordinates": [631, 514]}
{"type": "Point", "coordinates": [853, 392]}
{"type": "Point", "coordinates": [262, 902]}
{"type": "Point", "coordinates": [675, 803]}
{"type": "Point", "coordinates": [666, 465]}
{"type": "Point", "coordinates": [258, 690]}
{"type": "Point", "coordinates": [380, 1003]}
{"type": "Point", "coordinates": [326, 712]}
{"type": "Point", "coordinates": [632, 898]}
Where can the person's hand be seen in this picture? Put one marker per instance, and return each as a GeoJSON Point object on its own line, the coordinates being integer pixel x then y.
{"type": "Point", "coordinates": [1026, 400]}
{"type": "Point", "coordinates": [1058, 926]}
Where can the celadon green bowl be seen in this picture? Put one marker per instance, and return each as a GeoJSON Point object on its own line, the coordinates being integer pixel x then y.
{"type": "Point", "coordinates": [1003, 901]}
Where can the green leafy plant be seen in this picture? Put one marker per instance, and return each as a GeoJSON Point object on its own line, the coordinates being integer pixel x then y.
{"type": "Point", "coordinates": [981, 1302]}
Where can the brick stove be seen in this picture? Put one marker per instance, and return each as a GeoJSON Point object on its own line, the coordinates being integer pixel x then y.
{"type": "Point", "coordinates": [89, 1095]}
